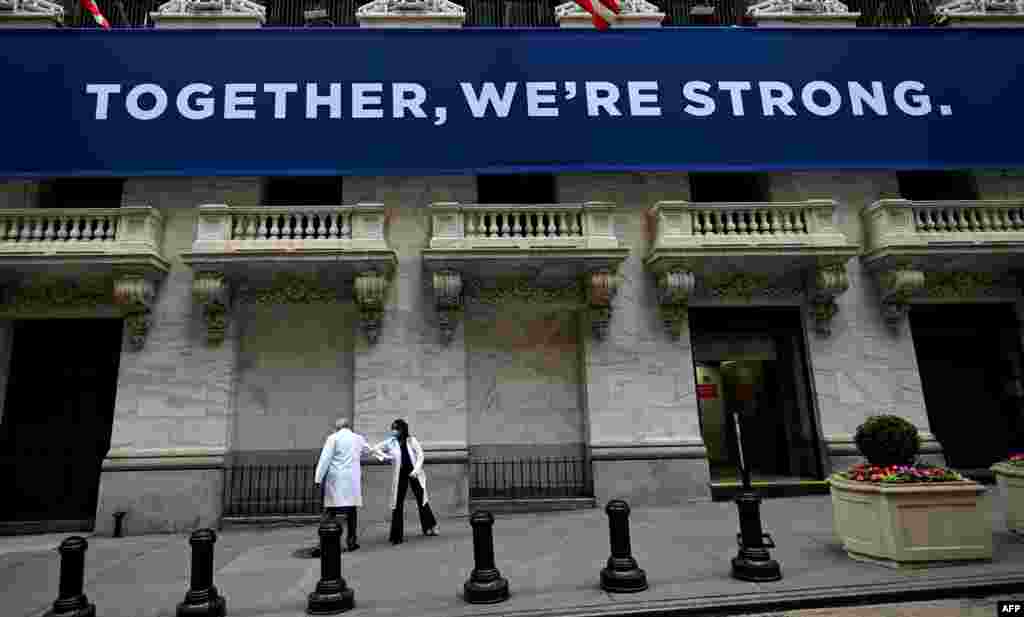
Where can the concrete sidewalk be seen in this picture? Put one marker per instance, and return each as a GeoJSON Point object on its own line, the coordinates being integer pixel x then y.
{"type": "Point", "coordinates": [551, 560]}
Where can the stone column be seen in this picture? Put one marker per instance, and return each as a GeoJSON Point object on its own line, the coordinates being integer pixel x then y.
{"type": "Point", "coordinates": [409, 373]}
{"type": "Point", "coordinates": [639, 397]}
{"type": "Point", "coordinates": [863, 368]}
{"type": "Point", "coordinates": [173, 412]}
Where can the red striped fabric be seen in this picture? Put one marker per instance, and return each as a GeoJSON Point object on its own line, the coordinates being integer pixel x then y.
{"type": "Point", "coordinates": [90, 5]}
{"type": "Point", "coordinates": [602, 12]}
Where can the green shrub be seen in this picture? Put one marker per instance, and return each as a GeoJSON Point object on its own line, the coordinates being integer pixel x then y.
{"type": "Point", "coordinates": [888, 440]}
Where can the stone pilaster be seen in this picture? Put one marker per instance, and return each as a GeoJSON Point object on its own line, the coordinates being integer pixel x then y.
{"type": "Point", "coordinates": [173, 412]}
{"type": "Point", "coordinates": [641, 407]}
{"type": "Point", "coordinates": [864, 367]}
{"type": "Point", "coordinates": [409, 372]}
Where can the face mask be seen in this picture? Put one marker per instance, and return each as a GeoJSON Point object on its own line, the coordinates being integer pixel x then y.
{"type": "Point", "coordinates": [394, 434]}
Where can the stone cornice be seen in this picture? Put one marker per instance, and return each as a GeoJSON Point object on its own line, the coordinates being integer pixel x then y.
{"type": "Point", "coordinates": [163, 459]}
{"type": "Point", "coordinates": [643, 451]}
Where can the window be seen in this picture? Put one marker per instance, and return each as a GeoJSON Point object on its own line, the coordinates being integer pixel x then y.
{"type": "Point", "coordinates": [303, 191]}
{"type": "Point", "coordinates": [936, 185]}
{"type": "Point", "coordinates": [516, 189]}
{"type": "Point", "coordinates": [729, 187]}
{"type": "Point", "coordinates": [81, 193]}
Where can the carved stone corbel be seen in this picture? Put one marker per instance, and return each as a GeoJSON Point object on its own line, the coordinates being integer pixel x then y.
{"type": "Point", "coordinates": [370, 288]}
{"type": "Point", "coordinates": [830, 281]}
{"type": "Point", "coordinates": [601, 289]}
{"type": "Point", "coordinates": [674, 290]}
{"type": "Point", "coordinates": [448, 299]}
{"type": "Point", "coordinates": [897, 286]}
{"type": "Point", "coordinates": [211, 292]}
{"type": "Point", "coordinates": [135, 293]}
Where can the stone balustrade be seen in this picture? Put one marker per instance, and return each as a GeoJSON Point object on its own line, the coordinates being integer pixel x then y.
{"type": "Point", "coordinates": [737, 250]}
{"type": "Point", "coordinates": [935, 249]}
{"type": "Point", "coordinates": [234, 229]}
{"type": "Point", "coordinates": [84, 231]}
{"type": "Point", "coordinates": [743, 225]}
{"type": "Point", "coordinates": [83, 262]}
{"type": "Point", "coordinates": [293, 253]}
{"type": "Point", "coordinates": [476, 226]}
{"type": "Point", "coordinates": [900, 223]}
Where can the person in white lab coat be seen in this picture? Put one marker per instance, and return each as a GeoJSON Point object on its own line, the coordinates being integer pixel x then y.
{"type": "Point", "coordinates": [340, 473]}
{"type": "Point", "coordinates": [406, 456]}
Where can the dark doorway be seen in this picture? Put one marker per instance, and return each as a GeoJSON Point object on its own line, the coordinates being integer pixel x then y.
{"type": "Point", "coordinates": [969, 359]}
{"type": "Point", "coordinates": [57, 419]}
{"type": "Point", "coordinates": [516, 189]}
{"type": "Point", "coordinates": [732, 187]}
{"type": "Point", "coordinates": [81, 193]}
{"type": "Point", "coordinates": [303, 191]}
{"type": "Point", "coordinates": [752, 360]}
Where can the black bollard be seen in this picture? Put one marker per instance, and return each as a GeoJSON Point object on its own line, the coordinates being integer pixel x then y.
{"type": "Point", "coordinates": [71, 602]}
{"type": "Point", "coordinates": [202, 598]}
{"type": "Point", "coordinates": [118, 521]}
{"type": "Point", "coordinates": [753, 562]}
{"type": "Point", "coordinates": [621, 575]}
{"type": "Point", "coordinates": [332, 595]}
{"type": "Point", "coordinates": [485, 584]}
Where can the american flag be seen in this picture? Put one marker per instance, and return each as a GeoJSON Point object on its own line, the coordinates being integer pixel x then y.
{"type": "Point", "coordinates": [603, 12]}
{"type": "Point", "coordinates": [90, 5]}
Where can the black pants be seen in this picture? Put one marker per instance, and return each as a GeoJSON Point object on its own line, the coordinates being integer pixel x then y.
{"type": "Point", "coordinates": [351, 518]}
{"type": "Point", "coordinates": [427, 520]}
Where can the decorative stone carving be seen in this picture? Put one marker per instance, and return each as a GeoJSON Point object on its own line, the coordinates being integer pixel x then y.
{"type": "Point", "coordinates": [448, 298]}
{"type": "Point", "coordinates": [370, 289]}
{"type": "Point", "coordinates": [209, 14]}
{"type": "Point", "coordinates": [897, 287]}
{"type": "Point", "coordinates": [42, 295]}
{"type": "Point", "coordinates": [742, 285]}
{"type": "Point", "coordinates": [211, 292]}
{"type": "Point", "coordinates": [830, 280]}
{"type": "Point", "coordinates": [293, 289]}
{"type": "Point", "coordinates": [517, 288]}
{"type": "Point", "coordinates": [984, 12]}
{"type": "Point", "coordinates": [135, 293]}
{"type": "Point", "coordinates": [632, 14]}
{"type": "Point", "coordinates": [674, 290]}
{"type": "Point", "coordinates": [29, 13]}
{"type": "Point", "coordinates": [959, 285]}
{"type": "Point", "coordinates": [601, 289]}
{"type": "Point", "coordinates": [796, 13]}
{"type": "Point", "coordinates": [411, 14]}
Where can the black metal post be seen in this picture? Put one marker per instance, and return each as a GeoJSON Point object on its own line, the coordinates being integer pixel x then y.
{"type": "Point", "coordinates": [118, 521]}
{"type": "Point", "coordinates": [621, 575]}
{"type": "Point", "coordinates": [71, 602]}
{"type": "Point", "coordinates": [202, 598]}
{"type": "Point", "coordinates": [332, 595]}
{"type": "Point", "coordinates": [752, 562]}
{"type": "Point", "coordinates": [485, 584]}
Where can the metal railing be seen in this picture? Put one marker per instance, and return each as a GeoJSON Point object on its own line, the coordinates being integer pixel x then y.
{"type": "Point", "coordinates": [271, 490]}
{"type": "Point", "coordinates": [502, 13]}
{"type": "Point", "coordinates": [530, 478]}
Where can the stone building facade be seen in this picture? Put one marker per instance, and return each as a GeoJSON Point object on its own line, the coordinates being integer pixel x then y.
{"type": "Point", "coordinates": [585, 328]}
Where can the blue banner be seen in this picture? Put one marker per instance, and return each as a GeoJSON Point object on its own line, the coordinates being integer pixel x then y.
{"type": "Point", "coordinates": [372, 102]}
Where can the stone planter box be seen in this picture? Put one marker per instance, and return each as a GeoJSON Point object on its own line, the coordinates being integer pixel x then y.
{"type": "Point", "coordinates": [1011, 481]}
{"type": "Point", "coordinates": [901, 525]}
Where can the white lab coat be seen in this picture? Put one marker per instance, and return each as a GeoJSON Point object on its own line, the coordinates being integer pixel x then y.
{"type": "Point", "coordinates": [339, 465]}
{"type": "Point", "coordinates": [389, 448]}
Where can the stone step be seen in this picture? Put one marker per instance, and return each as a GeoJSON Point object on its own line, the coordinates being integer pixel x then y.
{"type": "Point", "coordinates": [532, 505]}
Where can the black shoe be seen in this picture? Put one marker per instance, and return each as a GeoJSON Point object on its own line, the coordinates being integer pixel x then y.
{"type": "Point", "coordinates": [352, 547]}
{"type": "Point", "coordinates": [397, 541]}
{"type": "Point", "coordinates": [431, 532]}
{"type": "Point", "coordinates": [315, 553]}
